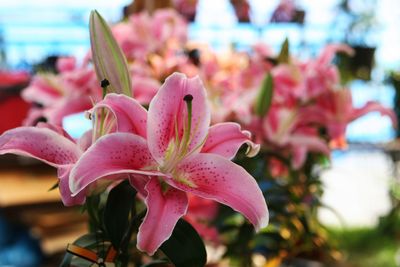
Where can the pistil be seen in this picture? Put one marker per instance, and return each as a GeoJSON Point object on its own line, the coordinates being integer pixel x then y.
{"type": "Point", "coordinates": [178, 148]}
{"type": "Point", "coordinates": [97, 133]}
{"type": "Point", "coordinates": [104, 84]}
{"type": "Point", "coordinates": [187, 129]}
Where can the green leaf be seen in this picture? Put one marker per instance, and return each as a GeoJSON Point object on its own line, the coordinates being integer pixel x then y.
{"type": "Point", "coordinates": [185, 247]}
{"type": "Point", "coordinates": [264, 98]}
{"type": "Point", "coordinates": [53, 187]}
{"type": "Point", "coordinates": [283, 56]}
{"type": "Point", "coordinates": [120, 203]}
{"type": "Point", "coordinates": [109, 61]}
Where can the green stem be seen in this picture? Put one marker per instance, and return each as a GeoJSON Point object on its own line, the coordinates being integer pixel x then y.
{"type": "Point", "coordinates": [104, 85]}
{"type": "Point", "coordinates": [134, 224]}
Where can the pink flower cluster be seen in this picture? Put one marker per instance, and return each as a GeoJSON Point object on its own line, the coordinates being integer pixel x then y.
{"type": "Point", "coordinates": [309, 110]}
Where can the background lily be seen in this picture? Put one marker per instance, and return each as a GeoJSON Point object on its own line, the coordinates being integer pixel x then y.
{"type": "Point", "coordinates": [55, 96]}
{"type": "Point", "coordinates": [334, 110]}
{"type": "Point", "coordinates": [284, 128]}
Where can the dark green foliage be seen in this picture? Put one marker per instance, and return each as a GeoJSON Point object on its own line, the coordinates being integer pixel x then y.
{"type": "Point", "coordinates": [264, 99]}
{"type": "Point", "coordinates": [119, 208]}
{"type": "Point", "coordinates": [284, 54]}
{"type": "Point", "coordinates": [185, 247]}
{"type": "Point", "coordinates": [293, 200]}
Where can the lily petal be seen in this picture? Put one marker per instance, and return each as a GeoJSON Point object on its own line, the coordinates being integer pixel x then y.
{"type": "Point", "coordinates": [302, 144]}
{"type": "Point", "coordinates": [225, 139]}
{"type": "Point", "coordinates": [55, 128]}
{"type": "Point", "coordinates": [40, 143]}
{"type": "Point", "coordinates": [299, 157]}
{"type": "Point", "coordinates": [139, 182]}
{"type": "Point", "coordinates": [67, 106]}
{"type": "Point", "coordinates": [163, 212]}
{"type": "Point", "coordinates": [85, 141]}
{"type": "Point", "coordinates": [116, 153]}
{"type": "Point", "coordinates": [331, 50]}
{"type": "Point", "coordinates": [215, 177]}
{"type": "Point", "coordinates": [63, 174]}
{"type": "Point", "coordinates": [130, 115]}
{"type": "Point", "coordinates": [374, 106]}
{"type": "Point", "coordinates": [311, 143]}
{"type": "Point", "coordinates": [168, 109]}
{"type": "Point", "coordinates": [42, 90]}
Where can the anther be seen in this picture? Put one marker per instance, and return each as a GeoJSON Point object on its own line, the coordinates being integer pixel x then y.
{"type": "Point", "coordinates": [188, 127]}
{"type": "Point", "coordinates": [41, 119]}
{"type": "Point", "coordinates": [104, 83]}
{"type": "Point", "coordinates": [188, 98]}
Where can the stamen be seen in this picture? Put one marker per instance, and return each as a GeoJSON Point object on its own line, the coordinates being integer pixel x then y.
{"type": "Point", "coordinates": [178, 149]}
{"type": "Point", "coordinates": [188, 99]}
{"type": "Point", "coordinates": [104, 84]}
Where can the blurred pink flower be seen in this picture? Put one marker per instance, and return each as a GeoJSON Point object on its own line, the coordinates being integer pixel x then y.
{"type": "Point", "coordinates": [321, 75]}
{"type": "Point", "coordinates": [283, 127]}
{"type": "Point", "coordinates": [142, 34]}
{"type": "Point", "coordinates": [300, 82]}
{"type": "Point", "coordinates": [55, 96]}
{"type": "Point", "coordinates": [334, 110]}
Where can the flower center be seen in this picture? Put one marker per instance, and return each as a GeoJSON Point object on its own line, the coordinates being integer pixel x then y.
{"type": "Point", "coordinates": [178, 148]}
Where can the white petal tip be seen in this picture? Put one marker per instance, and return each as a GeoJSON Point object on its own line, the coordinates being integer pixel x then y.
{"type": "Point", "coordinates": [252, 149]}
{"type": "Point", "coordinates": [150, 253]}
{"type": "Point", "coordinates": [262, 223]}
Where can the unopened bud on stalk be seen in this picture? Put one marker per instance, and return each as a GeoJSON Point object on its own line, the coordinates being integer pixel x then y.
{"type": "Point", "coordinates": [109, 62]}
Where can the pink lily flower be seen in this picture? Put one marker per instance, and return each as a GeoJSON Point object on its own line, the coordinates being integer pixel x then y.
{"type": "Point", "coordinates": [301, 82]}
{"type": "Point", "coordinates": [283, 127]}
{"type": "Point", "coordinates": [134, 36]}
{"type": "Point", "coordinates": [169, 27]}
{"type": "Point", "coordinates": [335, 111]}
{"type": "Point", "coordinates": [181, 155]}
{"type": "Point", "coordinates": [320, 74]}
{"type": "Point", "coordinates": [144, 34]}
{"type": "Point", "coordinates": [288, 84]}
{"type": "Point", "coordinates": [42, 90]}
{"type": "Point", "coordinates": [53, 146]}
{"type": "Point", "coordinates": [71, 91]}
